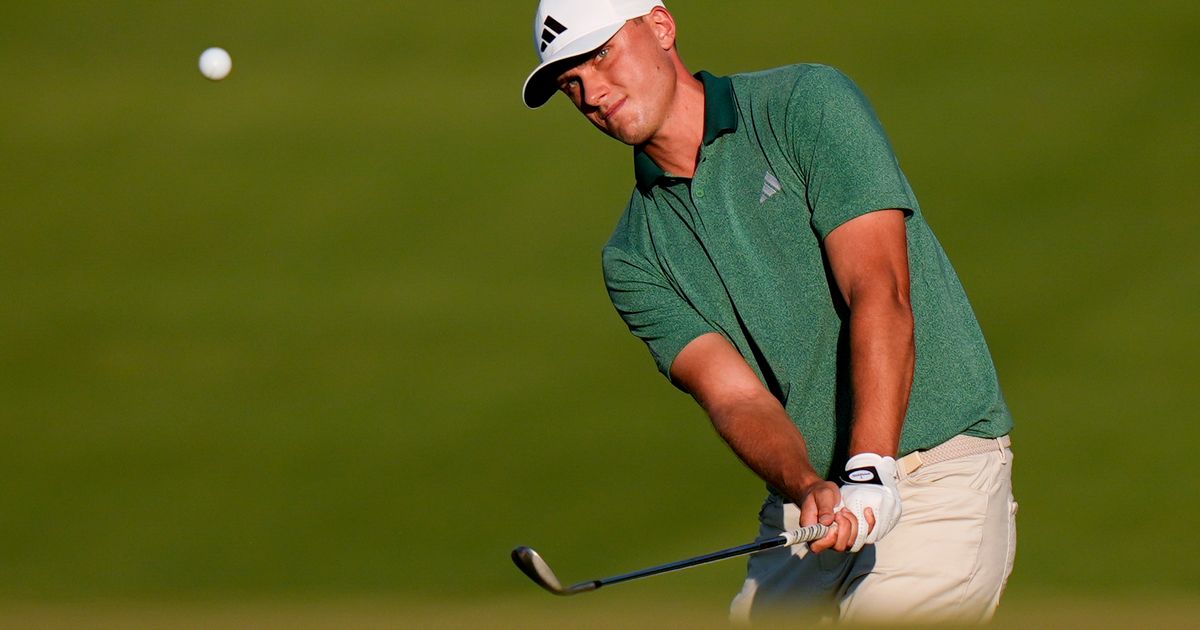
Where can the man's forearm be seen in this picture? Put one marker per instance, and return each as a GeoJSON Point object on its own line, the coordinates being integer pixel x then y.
{"type": "Point", "coordinates": [750, 419]}
{"type": "Point", "coordinates": [762, 435]}
{"type": "Point", "coordinates": [760, 432]}
{"type": "Point", "coordinates": [882, 361]}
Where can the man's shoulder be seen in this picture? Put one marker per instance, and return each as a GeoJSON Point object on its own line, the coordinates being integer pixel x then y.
{"type": "Point", "coordinates": [785, 83]}
{"type": "Point", "coordinates": [815, 73]}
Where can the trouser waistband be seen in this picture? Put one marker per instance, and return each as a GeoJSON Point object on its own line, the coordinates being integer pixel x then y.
{"type": "Point", "coordinates": [955, 447]}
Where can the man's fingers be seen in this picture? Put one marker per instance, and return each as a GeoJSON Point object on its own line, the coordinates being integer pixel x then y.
{"type": "Point", "coordinates": [808, 512]}
{"type": "Point", "coordinates": [826, 499]}
{"type": "Point", "coordinates": [870, 519]}
{"type": "Point", "coordinates": [817, 546]}
{"type": "Point", "coordinates": [843, 533]}
{"type": "Point", "coordinates": [864, 530]}
{"type": "Point", "coordinates": [818, 506]}
{"type": "Point", "coordinates": [847, 530]}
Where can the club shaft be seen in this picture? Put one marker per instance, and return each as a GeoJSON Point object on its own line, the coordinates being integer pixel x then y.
{"type": "Point", "coordinates": [783, 540]}
{"type": "Point", "coordinates": [715, 556]}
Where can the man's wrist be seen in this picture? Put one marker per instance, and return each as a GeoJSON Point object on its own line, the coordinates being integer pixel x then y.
{"type": "Point", "coordinates": [880, 448]}
{"type": "Point", "coordinates": [803, 485]}
{"type": "Point", "coordinates": [875, 435]}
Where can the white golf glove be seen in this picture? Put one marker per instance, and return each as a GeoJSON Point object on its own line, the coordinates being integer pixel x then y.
{"type": "Point", "coordinates": [870, 482]}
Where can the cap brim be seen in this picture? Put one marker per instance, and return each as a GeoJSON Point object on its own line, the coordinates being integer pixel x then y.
{"type": "Point", "coordinates": [541, 84]}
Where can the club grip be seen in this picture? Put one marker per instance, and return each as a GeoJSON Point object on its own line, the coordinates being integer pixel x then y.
{"type": "Point", "coordinates": [805, 534]}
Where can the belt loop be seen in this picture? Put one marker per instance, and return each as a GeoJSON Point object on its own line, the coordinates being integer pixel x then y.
{"type": "Point", "coordinates": [1000, 447]}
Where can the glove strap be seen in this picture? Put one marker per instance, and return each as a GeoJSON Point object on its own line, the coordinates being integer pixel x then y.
{"type": "Point", "coordinates": [867, 475]}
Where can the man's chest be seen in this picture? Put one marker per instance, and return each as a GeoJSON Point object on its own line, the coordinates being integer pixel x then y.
{"type": "Point", "coordinates": [737, 239]}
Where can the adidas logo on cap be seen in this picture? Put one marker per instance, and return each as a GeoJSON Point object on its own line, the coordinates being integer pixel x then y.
{"type": "Point", "coordinates": [551, 29]}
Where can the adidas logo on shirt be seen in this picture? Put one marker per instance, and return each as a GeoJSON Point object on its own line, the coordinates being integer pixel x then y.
{"type": "Point", "coordinates": [771, 186]}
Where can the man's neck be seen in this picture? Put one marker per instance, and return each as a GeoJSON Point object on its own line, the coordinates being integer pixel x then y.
{"type": "Point", "coordinates": [676, 146]}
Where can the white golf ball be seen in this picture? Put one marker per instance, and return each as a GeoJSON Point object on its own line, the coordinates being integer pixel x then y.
{"type": "Point", "coordinates": [215, 63]}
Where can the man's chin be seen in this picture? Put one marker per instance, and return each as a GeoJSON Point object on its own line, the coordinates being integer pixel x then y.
{"type": "Point", "coordinates": [629, 137]}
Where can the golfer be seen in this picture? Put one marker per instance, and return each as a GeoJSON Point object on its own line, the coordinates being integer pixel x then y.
{"type": "Point", "coordinates": [776, 263]}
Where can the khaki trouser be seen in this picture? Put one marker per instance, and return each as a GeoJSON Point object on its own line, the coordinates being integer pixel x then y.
{"type": "Point", "coordinates": [946, 560]}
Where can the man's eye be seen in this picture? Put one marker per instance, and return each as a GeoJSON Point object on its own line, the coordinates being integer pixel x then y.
{"type": "Point", "coordinates": [602, 53]}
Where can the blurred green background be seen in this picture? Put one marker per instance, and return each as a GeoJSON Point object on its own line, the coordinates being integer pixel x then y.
{"type": "Point", "coordinates": [333, 329]}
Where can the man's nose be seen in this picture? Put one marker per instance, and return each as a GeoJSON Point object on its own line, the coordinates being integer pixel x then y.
{"type": "Point", "coordinates": [595, 90]}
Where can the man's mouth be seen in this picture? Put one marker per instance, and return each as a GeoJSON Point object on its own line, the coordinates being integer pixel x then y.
{"type": "Point", "coordinates": [612, 110]}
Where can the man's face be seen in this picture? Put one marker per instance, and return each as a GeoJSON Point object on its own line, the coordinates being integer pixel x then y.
{"type": "Point", "coordinates": [624, 87]}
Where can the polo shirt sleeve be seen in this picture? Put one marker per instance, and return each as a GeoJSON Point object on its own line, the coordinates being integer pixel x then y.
{"type": "Point", "coordinates": [652, 309]}
{"type": "Point", "coordinates": [843, 153]}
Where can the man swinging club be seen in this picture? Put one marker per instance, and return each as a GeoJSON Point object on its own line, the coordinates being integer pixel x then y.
{"type": "Point", "coordinates": [777, 265]}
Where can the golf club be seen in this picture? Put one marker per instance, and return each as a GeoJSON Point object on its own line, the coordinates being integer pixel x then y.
{"type": "Point", "coordinates": [532, 564]}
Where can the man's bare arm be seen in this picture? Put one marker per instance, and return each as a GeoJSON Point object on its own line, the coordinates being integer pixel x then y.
{"type": "Point", "coordinates": [760, 432]}
{"type": "Point", "coordinates": [869, 258]}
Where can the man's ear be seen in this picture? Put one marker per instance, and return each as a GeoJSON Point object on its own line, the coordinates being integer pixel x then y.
{"type": "Point", "coordinates": [662, 24]}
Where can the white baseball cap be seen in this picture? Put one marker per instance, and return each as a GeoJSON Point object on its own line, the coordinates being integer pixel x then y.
{"type": "Point", "coordinates": [564, 29]}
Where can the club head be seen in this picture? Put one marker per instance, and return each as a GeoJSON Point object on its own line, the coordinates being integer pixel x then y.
{"type": "Point", "coordinates": [532, 565]}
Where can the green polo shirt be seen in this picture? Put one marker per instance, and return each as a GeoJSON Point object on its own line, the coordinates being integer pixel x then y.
{"type": "Point", "coordinates": [788, 155]}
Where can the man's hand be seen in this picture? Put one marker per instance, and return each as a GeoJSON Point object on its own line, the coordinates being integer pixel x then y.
{"type": "Point", "coordinates": [870, 494]}
{"type": "Point", "coordinates": [822, 503]}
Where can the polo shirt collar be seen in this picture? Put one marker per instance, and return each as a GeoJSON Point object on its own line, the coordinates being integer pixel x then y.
{"type": "Point", "coordinates": [720, 116]}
